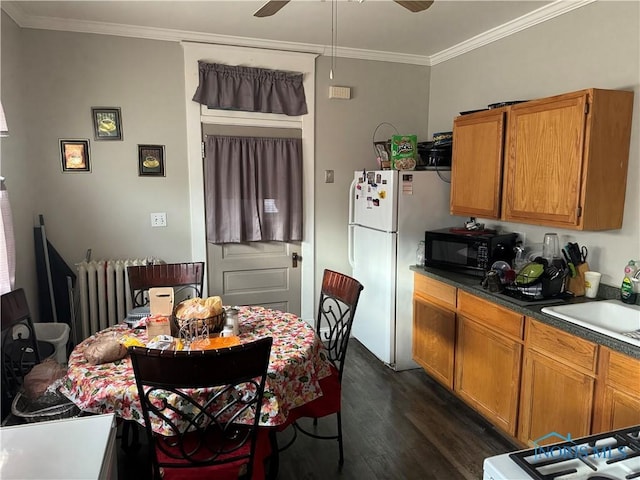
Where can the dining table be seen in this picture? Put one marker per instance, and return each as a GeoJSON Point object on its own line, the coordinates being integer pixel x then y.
{"type": "Point", "coordinates": [297, 363]}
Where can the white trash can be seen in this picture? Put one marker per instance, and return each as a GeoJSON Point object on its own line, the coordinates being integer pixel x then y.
{"type": "Point", "coordinates": [57, 334]}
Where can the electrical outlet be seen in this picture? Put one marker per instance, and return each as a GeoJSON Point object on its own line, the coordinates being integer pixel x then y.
{"type": "Point", "coordinates": [159, 219]}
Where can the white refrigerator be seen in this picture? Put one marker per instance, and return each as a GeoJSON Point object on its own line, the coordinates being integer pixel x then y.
{"type": "Point", "coordinates": [389, 211]}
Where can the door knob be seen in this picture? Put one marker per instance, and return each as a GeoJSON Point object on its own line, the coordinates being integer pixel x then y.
{"type": "Point", "coordinates": [294, 259]}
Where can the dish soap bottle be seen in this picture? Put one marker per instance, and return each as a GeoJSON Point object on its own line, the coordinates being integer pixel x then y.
{"type": "Point", "coordinates": [627, 293]}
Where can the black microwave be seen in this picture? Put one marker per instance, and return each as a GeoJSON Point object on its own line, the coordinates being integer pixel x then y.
{"type": "Point", "coordinates": [473, 251]}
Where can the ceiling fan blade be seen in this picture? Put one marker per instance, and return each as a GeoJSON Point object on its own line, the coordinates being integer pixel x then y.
{"type": "Point", "coordinates": [416, 6]}
{"type": "Point", "coordinates": [272, 7]}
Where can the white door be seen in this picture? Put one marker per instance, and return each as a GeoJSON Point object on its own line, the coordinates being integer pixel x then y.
{"type": "Point", "coordinates": [374, 254]}
{"type": "Point", "coordinates": [255, 273]}
{"type": "Point", "coordinates": [197, 114]}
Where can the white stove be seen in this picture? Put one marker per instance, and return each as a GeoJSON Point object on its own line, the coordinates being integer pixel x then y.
{"type": "Point", "coordinates": [612, 455]}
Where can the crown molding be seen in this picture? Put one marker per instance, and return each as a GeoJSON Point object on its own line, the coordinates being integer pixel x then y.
{"type": "Point", "coordinates": [547, 12]}
{"type": "Point", "coordinates": [552, 10]}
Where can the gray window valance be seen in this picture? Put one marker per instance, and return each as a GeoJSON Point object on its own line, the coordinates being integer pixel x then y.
{"type": "Point", "coordinates": [253, 189]}
{"type": "Point", "coordinates": [250, 89]}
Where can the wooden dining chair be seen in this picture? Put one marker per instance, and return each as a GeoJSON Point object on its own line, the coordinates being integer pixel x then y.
{"type": "Point", "coordinates": [215, 430]}
{"type": "Point", "coordinates": [21, 350]}
{"type": "Point", "coordinates": [185, 278]}
{"type": "Point", "coordinates": [187, 282]}
{"type": "Point", "coordinates": [339, 296]}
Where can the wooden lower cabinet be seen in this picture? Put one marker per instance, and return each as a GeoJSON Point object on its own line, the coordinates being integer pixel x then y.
{"type": "Point", "coordinates": [434, 333]}
{"type": "Point", "coordinates": [618, 392]}
{"type": "Point", "coordinates": [526, 377]}
{"type": "Point", "coordinates": [558, 384]}
{"type": "Point", "coordinates": [488, 372]}
{"type": "Point", "coordinates": [434, 328]}
{"type": "Point", "coordinates": [555, 398]}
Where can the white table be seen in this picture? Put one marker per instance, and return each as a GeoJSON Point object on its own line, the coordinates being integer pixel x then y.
{"type": "Point", "coordinates": [74, 448]}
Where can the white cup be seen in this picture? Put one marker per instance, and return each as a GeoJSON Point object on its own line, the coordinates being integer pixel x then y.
{"type": "Point", "coordinates": [591, 284]}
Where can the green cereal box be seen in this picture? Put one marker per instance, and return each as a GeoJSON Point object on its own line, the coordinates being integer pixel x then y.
{"type": "Point", "coordinates": [404, 151]}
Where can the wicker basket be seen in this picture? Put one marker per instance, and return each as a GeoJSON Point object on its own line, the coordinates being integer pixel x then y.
{"type": "Point", "coordinates": [213, 324]}
{"type": "Point", "coordinates": [54, 407]}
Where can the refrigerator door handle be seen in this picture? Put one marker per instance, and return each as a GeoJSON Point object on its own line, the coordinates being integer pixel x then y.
{"type": "Point", "coordinates": [352, 192]}
{"type": "Point", "coordinates": [352, 260]}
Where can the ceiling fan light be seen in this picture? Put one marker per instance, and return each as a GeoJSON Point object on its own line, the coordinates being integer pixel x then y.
{"type": "Point", "coordinates": [270, 8]}
{"type": "Point", "coordinates": [415, 6]}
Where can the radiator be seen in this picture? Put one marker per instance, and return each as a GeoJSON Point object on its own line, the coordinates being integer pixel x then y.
{"type": "Point", "coordinates": [103, 291]}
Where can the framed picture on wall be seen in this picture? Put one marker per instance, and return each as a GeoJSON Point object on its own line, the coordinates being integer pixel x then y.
{"type": "Point", "coordinates": [74, 155]}
{"type": "Point", "coordinates": [107, 123]}
{"type": "Point", "coordinates": [151, 160]}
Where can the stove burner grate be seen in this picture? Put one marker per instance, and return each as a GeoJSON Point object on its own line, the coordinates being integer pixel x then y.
{"type": "Point", "coordinates": [584, 449]}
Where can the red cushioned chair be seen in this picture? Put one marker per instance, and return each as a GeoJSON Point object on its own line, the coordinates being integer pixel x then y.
{"type": "Point", "coordinates": [337, 306]}
{"type": "Point", "coordinates": [209, 439]}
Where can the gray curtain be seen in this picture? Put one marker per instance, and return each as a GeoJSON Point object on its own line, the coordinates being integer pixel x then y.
{"type": "Point", "coordinates": [253, 189]}
{"type": "Point", "coordinates": [250, 89]}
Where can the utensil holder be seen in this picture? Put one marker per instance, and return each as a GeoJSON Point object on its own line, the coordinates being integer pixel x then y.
{"type": "Point", "coordinates": [576, 284]}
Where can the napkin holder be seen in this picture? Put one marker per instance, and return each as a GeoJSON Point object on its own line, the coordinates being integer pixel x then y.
{"type": "Point", "coordinates": [161, 308]}
{"type": "Point", "coordinates": [576, 284]}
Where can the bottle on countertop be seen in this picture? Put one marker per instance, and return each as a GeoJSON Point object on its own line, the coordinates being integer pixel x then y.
{"type": "Point", "coordinates": [232, 320]}
{"type": "Point", "coordinates": [627, 291]}
{"type": "Point", "coordinates": [420, 254]}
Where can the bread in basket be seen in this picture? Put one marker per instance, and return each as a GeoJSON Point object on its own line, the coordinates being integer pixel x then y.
{"type": "Point", "coordinates": [200, 316]}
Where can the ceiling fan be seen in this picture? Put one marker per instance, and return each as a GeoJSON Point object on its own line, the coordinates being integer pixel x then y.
{"type": "Point", "coordinates": [273, 6]}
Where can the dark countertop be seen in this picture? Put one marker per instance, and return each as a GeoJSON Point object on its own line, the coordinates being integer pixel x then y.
{"type": "Point", "coordinates": [471, 284]}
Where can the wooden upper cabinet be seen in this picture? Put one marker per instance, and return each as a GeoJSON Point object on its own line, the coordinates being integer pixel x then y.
{"type": "Point", "coordinates": [476, 167]}
{"type": "Point", "coordinates": [566, 160]}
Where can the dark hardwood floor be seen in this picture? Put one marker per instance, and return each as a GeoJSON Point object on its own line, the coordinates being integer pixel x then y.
{"type": "Point", "coordinates": [396, 425]}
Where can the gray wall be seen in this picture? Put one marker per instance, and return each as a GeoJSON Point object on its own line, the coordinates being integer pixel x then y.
{"type": "Point", "coordinates": [50, 80]}
{"type": "Point", "coordinates": [344, 132]}
{"type": "Point", "coordinates": [59, 76]}
{"type": "Point", "coordinates": [594, 46]}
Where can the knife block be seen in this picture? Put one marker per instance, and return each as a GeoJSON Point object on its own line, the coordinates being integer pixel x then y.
{"type": "Point", "coordinates": [576, 284]}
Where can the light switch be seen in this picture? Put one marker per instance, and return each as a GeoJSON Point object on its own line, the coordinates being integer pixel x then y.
{"type": "Point", "coordinates": [159, 219]}
{"type": "Point", "coordinates": [328, 176]}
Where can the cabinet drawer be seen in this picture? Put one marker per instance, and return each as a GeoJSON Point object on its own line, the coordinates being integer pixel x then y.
{"type": "Point", "coordinates": [562, 345]}
{"type": "Point", "coordinates": [623, 372]}
{"type": "Point", "coordinates": [491, 315]}
{"type": "Point", "coordinates": [438, 292]}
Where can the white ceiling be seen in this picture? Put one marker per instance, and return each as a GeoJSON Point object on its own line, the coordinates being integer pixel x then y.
{"type": "Point", "coordinates": [374, 29]}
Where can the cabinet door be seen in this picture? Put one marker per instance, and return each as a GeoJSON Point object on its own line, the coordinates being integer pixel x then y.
{"type": "Point", "coordinates": [487, 367]}
{"type": "Point", "coordinates": [618, 391]}
{"type": "Point", "coordinates": [544, 161]}
{"type": "Point", "coordinates": [556, 397]}
{"type": "Point", "coordinates": [434, 331]}
{"type": "Point", "coordinates": [476, 167]}
{"type": "Point", "coordinates": [619, 410]}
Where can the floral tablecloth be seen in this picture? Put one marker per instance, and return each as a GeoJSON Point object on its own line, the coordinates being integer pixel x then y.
{"type": "Point", "coordinates": [298, 360]}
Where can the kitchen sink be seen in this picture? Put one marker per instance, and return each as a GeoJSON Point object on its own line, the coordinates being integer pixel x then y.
{"type": "Point", "coordinates": [609, 317]}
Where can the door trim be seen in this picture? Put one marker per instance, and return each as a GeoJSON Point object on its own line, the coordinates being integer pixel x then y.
{"type": "Point", "coordinates": [273, 59]}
